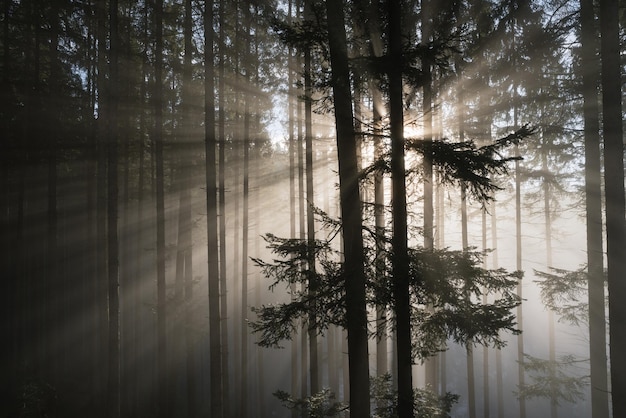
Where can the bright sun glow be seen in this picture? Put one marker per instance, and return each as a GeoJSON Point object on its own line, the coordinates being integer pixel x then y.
{"type": "Point", "coordinates": [413, 131]}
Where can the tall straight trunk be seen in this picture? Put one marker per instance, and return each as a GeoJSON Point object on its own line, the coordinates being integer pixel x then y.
{"type": "Point", "coordinates": [226, 369]}
{"type": "Point", "coordinates": [471, 389]}
{"type": "Point", "coordinates": [548, 239]}
{"type": "Point", "coordinates": [237, 140]}
{"type": "Point", "coordinates": [333, 365]}
{"type": "Point", "coordinates": [186, 281]}
{"type": "Point", "coordinates": [310, 220]}
{"type": "Point", "coordinates": [257, 128]}
{"type": "Point", "coordinates": [427, 112]}
{"type": "Point", "coordinates": [486, 401]}
{"type": "Point", "coordinates": [113, 386]}
{"type": "Point", "coordinates": [471, 392]}
{"type": "Point", "coordinates": [518, 266]}
{"type": "Point", "coordinates": [215, 356]}
{"type": "Point", "coordinates": [614, 195]}
{"type": "Point", "coordinates": [379, 220]}
{"type": "Point", "coordinates": [162, 378]}
{"type": "Point", "coordinates": [495, 265]}
{"type": "Point", "coordinates": [292, 195]}
{"type": "Point", "coordinates": [244, 263]}
{"type": "Point", "coordinates": [378, 111]}
{"type": "Point", "coordinates": [351, 215]}
{"type": "Point", "coordinates": [304, 352]}
{"type": "Point", "coordinates": [52, 248]}
{"type": "Point", "coordinates": [518, 238]}
{"type": "Point", "coordinates": [101, 288]}
{"type": "Point", "coordinates": [245, 220]}
{"type": "Point", "coordinates": [593, 201]}
{"type": "Point", "coordinates": [400, 267]}
{"type": "Point", "coordinates": [136, 379]}
{"type": "Point", "coordinates": [10, 252]}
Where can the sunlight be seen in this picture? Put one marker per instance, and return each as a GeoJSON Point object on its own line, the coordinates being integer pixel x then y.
{"type": "Point", "coordinates": [412, 131]}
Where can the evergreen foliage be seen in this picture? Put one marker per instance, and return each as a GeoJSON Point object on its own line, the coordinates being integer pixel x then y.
{"type": "Point", "coordinates": [451, 281]}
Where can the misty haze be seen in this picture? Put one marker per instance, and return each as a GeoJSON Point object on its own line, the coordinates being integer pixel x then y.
{"type": "Point", "coordinates": [312, 208]}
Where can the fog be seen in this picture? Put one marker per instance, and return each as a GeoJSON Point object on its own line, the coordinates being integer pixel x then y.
{"type": "Point", "coordinates": [136, 161]}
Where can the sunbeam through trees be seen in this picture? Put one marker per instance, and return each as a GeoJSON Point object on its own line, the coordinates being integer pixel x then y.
{"type": "Point", "coordinates": [312, 208]}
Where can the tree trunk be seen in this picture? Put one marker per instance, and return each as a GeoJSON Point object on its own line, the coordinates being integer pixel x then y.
{"type": "Point", "coordinates": [304, 349]}
{"type": "Point", "coordinates": [185, 221]}
{"type": "Point", "coordinates": [614, 195]}
{"type": "Point", "coordinates": [163, 407]}
{"type": "Point", "coordinates": [427, 112]}
{"type": "Point", "coordinates": [351, 216]}
{"type": "Point", "coordinates": [310, 220]}
{"type": "Point", "coordinates": [402, 307]}
{"type": "Point", "coordinates": [378, 110]}
{"type": "Point", "coordinates": [245, 222]}
{"type": "Point", "coordinates": [101, 289]}
{"type": "Point", "coordinates": [548, 238]}
{"type": "Point", "coordinates": [112, 234]}
{"type": "Point", "coordinates": [495, 265]}
{"type": "Point", "coordinates": [593, 200]}
{"type": "Point", "coordinates": [215, 356]}
{"type": "Point", "coordinates": [226, 369]}
{"type": "Point", "coordinates": [292, 197]}
{"type": "Point", "coordinates": [471, 382]}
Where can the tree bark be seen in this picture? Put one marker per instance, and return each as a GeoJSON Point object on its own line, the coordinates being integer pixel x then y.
{"type": "Point", "coordinates": [215, 356]}
{"type": "Point", "coordinates": [226, 369]}
{"type": "Point", "coordinates": [112, 215]}
{"type": "Point", "coordinates": [614, 195]}
{"type": "Point", "coordinates": [593, 202]}
{"type": "Point", "coordinates": [400, 262]}
{"type": "Point", "coordinates": [351, 214]}
{"type": "Point", "coordinates": [310, 219]}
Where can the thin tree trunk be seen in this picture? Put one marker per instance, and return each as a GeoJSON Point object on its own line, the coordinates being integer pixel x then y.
{"type": "Point", "coordinates": [593, 200]}
{"type": "Point", "coordinates": [292, 198]}
{"type": "Point", "coordinates": [163, 407]}
{"type": "Point", "coordinates": [313, 285]}
{"type": "Point", "coordinates": [53, 301]}
{"type": "Point", "coordinates": [486, 402]}
{"type": "Point", "coordinates": [614, 195]}
{"type": "Point", "coordinates": [184, 273]}
{"type": "Point", "coordinates": [378, 110]}
{"type": "Point", "coordinates": [112, 234]}
{"type": "Point", "coordinates": [518, 264]}
{"type": "Point", "coordinates": [495, 265]}
{"type": "Point", "coordinates": [101, 212]}
{"type": "Point", "coordinates": [427, 112]}
{"type": "Point", "coordinates": [548, 239]}
{"type": "Point", "coordinates": [379, 219]}
{"type": "Point", "coordinates": [237, 145]}
{"type": "Point", "coordinates": [245, 224]}
{"type": "Point", "coordinates": [226, 369]}
{"type": "Point", "coordinates": [215, 356]}
{"type": "Point", "coordinates": [304, 352]}
{"type": "Point", "coordinates": [518, 240]}
{"type": "Point", "coordinates": [399, 211]}
{"type": "Point", "coordinates": [471, 390]}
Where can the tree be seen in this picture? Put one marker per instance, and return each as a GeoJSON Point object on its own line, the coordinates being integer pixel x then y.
{"type": "Point", "coordinates": [222, 211]}
{"type": "Point", "coordinates": [113, 387]}
{"type": "Point", "coordinates": [215, 345]}
{"type": "Point", "coordinates": [399, 217]}
{"type": "Point", "coordinates": [351, 214]}
{"type": "Point", "coordinates": [593, 199]}
{"type": "Point", "coordinates": [310, 230]}
{"type": "Point", "coordinates": [184, 273]}
{"type": "Point", "coordinates": [162, 378]}
{"type": "Point", "coordinates": [614, 196]}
